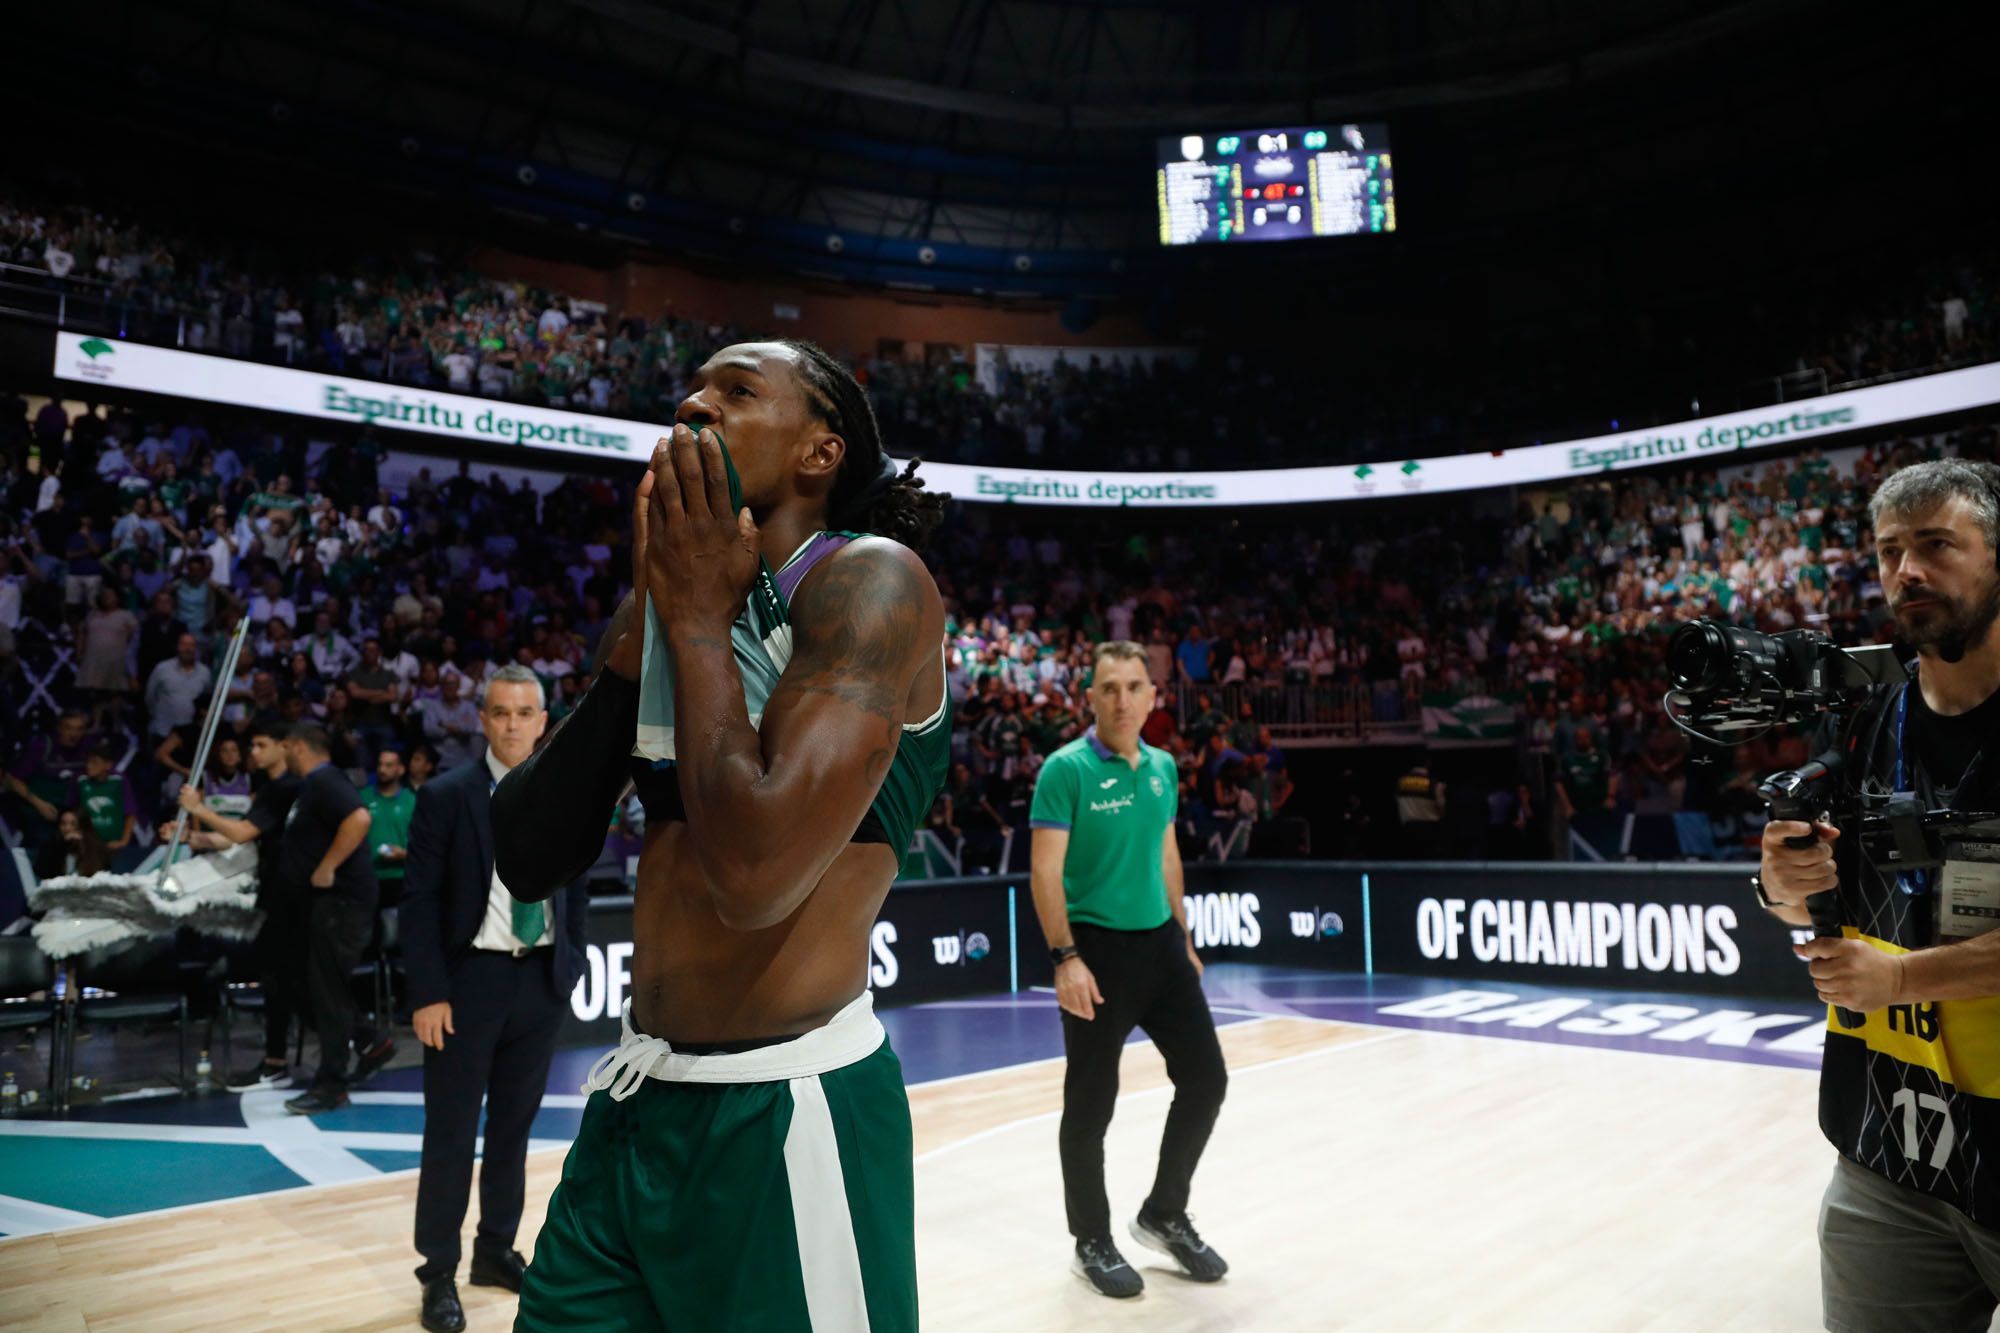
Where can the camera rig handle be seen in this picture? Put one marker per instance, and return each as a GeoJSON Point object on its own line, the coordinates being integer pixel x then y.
{"type": "Point", "coordinates": [1792, 795]}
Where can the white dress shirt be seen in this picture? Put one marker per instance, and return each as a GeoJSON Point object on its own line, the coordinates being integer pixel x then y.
{"type": "Point", "coordinates": [264, 609]}
{"type": "Point", "coordinates": [497, 930]}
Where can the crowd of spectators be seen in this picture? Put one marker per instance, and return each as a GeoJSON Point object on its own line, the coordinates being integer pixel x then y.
{"type": "Point", "coordinates": [1949, 323]}
{"type": "Point", "coordinates": [429, 322]}
{"type": "Point", "coordinates": [136, 544]}
{"type": "Point", "coordinates": [417, 322]}
{"type": "Point", "coordinates": [1562, 608]}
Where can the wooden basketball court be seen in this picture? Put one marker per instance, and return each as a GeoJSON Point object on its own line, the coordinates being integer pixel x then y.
{"type": "Point", "coordinates": [1359, 1178]}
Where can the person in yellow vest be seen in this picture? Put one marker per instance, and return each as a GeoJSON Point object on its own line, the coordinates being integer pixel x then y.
{"type": "Point", "coordinates": [1909, 1227]}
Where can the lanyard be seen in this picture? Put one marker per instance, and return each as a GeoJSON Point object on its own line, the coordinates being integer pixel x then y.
{"type": "Point", "coordinates": [1909, 881]}
{"type": "Point", "coordinates": [1902, 722]}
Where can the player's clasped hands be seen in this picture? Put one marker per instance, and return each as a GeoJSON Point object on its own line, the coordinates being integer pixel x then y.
{"type": "Point", "coordinates": [1793, 874]}
{"type": "Point", "coordinates": [697, 556]}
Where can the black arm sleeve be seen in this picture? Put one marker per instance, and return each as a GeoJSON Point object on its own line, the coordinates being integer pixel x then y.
{"type": "Point", "coordinates": [551, 813]}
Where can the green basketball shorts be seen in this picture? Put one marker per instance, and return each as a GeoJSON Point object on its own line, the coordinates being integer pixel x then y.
{"type": "Point", "coordinates": [769, 1189]}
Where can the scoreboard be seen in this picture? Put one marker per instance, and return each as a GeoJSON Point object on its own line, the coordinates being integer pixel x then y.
{"type": "Point", "coordinates": [1276, 185]}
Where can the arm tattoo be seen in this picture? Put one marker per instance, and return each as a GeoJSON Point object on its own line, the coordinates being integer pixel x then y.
{"type": "Point", "coordinates": [854, 625]}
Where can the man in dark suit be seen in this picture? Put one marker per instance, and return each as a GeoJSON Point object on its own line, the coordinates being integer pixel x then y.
{"type": "Point", "coordinates": [489, 977]}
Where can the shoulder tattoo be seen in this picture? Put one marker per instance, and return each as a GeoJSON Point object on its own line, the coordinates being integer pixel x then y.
{"type": "Point", "coordinates": [853, 625]}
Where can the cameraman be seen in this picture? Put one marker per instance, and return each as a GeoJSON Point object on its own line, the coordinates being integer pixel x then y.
{"type": "Point", "coordinates": [1910, 1224]}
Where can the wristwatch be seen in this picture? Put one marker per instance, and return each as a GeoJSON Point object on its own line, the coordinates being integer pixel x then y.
{"type": "Point", "coordinates": [1062, 954]}
{"type": "Point", "coordinates": [1757, 887]}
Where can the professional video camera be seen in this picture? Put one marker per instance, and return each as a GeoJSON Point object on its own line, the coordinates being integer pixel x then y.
{"type": "Point", "coordinates": [1732, 679]}
{"type": "Point", "coordinates": [1731, 685]}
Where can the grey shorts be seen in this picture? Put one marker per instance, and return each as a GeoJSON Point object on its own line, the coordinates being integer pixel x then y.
{"type": "Point", "coordinates": [1891, 1258]}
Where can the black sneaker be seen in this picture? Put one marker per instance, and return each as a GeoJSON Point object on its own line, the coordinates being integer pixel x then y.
{"type": "Point", "coordinates": [1175, 1237]}
{"type": "Point", "coordinates": [369, 1061]}
{"type": "Point", "coordinates": [1099, 1263]}
{"type": "Point", "coordinates": [259, 1077]}
{"type": "Point", "coordinates": [315, 1101]}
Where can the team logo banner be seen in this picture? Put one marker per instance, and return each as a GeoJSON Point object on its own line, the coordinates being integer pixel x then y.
{"type": "Point", "coordinates": [1470, 717]}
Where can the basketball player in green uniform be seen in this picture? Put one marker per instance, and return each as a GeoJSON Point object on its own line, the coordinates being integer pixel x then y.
{"type": "Point", "coordinates": [745, 1154]}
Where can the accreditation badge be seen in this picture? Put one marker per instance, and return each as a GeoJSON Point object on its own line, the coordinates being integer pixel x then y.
{"type": "Point", "coordinates": [1969, 890]}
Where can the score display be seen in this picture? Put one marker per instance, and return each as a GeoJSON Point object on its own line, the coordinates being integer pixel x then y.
{"type": "Point", "coordinates": [1276, 185]}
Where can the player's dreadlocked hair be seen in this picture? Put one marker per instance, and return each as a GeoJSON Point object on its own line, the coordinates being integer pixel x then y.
{"type": "Point", "coordinates": [865, 496]}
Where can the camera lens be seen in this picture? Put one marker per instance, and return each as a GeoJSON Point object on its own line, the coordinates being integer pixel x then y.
{"type": "Point", "coordinates": [1698, 656]}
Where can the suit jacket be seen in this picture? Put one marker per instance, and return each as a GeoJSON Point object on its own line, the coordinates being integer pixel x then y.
{"type": "Point", "coordinates": [447, 879]}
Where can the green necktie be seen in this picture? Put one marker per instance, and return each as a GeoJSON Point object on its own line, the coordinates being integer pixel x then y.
{"type": "Point", "coordinates": [528, 917]}
{"type": "Point", "coordinates": [528, 920]}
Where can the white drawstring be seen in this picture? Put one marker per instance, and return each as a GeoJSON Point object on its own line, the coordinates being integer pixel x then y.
{"type": "Point", "coordinates": [626, 1066]}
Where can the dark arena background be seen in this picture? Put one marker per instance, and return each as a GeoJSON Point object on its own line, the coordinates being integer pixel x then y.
{"type": "Point", "coordinates": [1398, 375]}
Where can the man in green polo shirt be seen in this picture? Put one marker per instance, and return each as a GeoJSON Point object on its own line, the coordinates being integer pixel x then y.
{"type": "Point", "coordinates": [390, 806]}
{"type": "Point", "coordinates": [1107, 885]}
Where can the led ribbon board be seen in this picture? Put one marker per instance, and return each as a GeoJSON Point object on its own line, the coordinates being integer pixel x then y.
{"type": "Point", "coordinates": [213, 379]}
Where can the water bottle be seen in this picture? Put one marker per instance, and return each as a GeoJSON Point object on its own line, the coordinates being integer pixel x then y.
{"type": "Point", "coordinates": [204, 1074]}
{"type": "Point", "coordinates": [10, 1096]}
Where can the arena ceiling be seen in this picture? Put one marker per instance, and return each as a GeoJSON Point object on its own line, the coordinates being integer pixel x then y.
{"type": "Point", "coordinates": [989, 143]}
